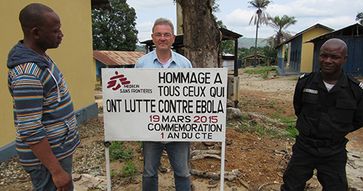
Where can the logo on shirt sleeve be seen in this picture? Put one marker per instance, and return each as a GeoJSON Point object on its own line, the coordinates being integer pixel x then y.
{"type": "Point", "coordinates": [311, 91]}
{"type": "Point", "coordinates": [361, 85]}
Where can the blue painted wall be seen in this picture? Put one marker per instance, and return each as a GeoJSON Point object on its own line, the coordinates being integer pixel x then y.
{"type": "Point", "coordinates": [295, 55]}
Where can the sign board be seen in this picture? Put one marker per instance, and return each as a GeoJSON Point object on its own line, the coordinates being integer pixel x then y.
{"type": "Point", "coordinates": [164, 104]}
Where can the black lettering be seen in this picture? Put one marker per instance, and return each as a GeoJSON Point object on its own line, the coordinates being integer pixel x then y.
{"type": "Point", "coordinates": [218, 79]}
{"type": "Point", "coordinates": [216, 91]}
{"type": "Point", "coordinates": [182, 77]}
{"type": "Point", "coordinates": [208, 106]}
{"type": "Point", "coordinates": [175, 106]}
{"type": "Point", "coordinates": [113, 105]}
{"type": "Point", "coordinates": [173, 135]}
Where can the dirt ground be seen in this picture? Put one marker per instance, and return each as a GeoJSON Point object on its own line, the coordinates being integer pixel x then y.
{"type": "Point", "coordinates": [259, 156]}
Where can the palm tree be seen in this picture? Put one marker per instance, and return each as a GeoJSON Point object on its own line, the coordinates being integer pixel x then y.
{"type": "Point", "coordinates": [359, 18]}
{"type": "Point", "coordinates": [279, 24]}
{"type": "Point", "coordinates": [260, 17]}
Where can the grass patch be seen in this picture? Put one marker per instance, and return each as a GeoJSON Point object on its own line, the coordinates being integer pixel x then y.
{"type": "Point", "coordinates": [290, 123]}
{"type": "Point", "coordinates": [292, 131]}
{"type": "Point", "coordinates": [267, 130]}
{"type": "Point", "coordinates": [271, 132]}
{"type": "Point", "coordinates": [119, 152]}
{"type": "Point", "coordinates": [113, 173]}
{"type": "Point", "coordinates": [263, 71]}
{"type": "Point", "coordinates": [253, 127]}
{"type": "Point", "coordinates": [129, 169]}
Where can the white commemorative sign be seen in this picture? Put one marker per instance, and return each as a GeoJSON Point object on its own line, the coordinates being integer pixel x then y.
{"type": "Point", "coordinates": [164, 104]}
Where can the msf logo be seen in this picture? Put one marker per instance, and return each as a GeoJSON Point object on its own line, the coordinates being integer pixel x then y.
{"type": "Point", "coordinates": [116, 81]}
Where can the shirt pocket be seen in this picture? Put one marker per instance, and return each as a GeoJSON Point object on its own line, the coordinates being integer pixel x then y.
{"type": "Point", "coordinates": [310, 98]}
{"type": "Point", "coordinates": [344, 111]}
{"type": "Point", "coordinates": [310, 104]}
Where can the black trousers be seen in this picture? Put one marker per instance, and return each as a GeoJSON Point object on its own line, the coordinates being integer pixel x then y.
{"type": "Point", "coordinates": [330, 171]}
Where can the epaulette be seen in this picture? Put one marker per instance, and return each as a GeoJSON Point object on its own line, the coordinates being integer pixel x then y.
{"type": "Point", "coordinates": [355, 81]}
{"type": "Point", "coordinates": [304, 75]}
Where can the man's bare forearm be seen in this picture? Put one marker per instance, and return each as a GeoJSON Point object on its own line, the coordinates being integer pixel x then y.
{"type": "Point", "coordinates": [44, 153]}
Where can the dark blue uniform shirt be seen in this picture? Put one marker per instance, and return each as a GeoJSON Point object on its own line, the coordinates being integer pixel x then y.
{"type": "Point", "coordinates": [325, 118]}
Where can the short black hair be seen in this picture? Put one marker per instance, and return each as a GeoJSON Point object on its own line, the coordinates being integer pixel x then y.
{"type": "Point", "coordinates": [32, 15]}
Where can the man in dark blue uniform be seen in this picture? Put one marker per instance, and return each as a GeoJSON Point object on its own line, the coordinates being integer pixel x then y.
{"type": "Point", "coordinates": [328, 105]}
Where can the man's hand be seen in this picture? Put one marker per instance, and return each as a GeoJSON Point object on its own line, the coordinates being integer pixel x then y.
{"type": "Point", "coordinates": [62, 180]}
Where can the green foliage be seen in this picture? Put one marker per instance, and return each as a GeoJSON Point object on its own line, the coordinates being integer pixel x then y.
{"type": "Point", "coordinates": [243, 52]}
{"type": "Point", "coordinates": [114, 29]}
{"type": "Point", "coordinates": [289, 132]}
{"type": "Point", "coordinates": [292, 131]}
{"type": "Point", "coordinates": [261, 130]}
{"type": "Point", "coordinates": [273, 132]}
{"type": "Point", "coordinates": [129, 169]}
{"type": "Point", "coordinates": [260, 70]}
{"type": "Point", "coordinates": [267, 51]}
{"type": "Point", "coordinates": [290, 122]}
{"type": "Point", "coordinates": [113, 173]}
{"type": "Point", "coordinates": [227, 46]}
{"type": "Point", "coordinates": [279, 24]}
{"type": "Point", "coordinates": [260, 16]}
{"type": "Point", "coordinates": [119, 152]}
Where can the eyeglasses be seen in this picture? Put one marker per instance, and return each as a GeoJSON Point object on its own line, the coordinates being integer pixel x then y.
{"type": "Point", "coordinates": [165, 35]}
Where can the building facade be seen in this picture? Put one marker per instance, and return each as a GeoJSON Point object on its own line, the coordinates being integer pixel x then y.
{"type": "Point", "coordinates": [296, 54]}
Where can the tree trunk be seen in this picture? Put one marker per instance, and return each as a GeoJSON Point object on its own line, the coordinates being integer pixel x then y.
{"type": "Point", "coordinates": [201, 34]}
{"type": "Point", "coordinates": [257, 25]}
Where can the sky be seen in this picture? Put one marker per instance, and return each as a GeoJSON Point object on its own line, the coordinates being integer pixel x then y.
{"type": "Point", "coordinates": [236, 14]}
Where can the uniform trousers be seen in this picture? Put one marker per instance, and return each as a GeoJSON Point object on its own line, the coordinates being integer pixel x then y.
{"type": "Point", "coordinates": [331, 171]}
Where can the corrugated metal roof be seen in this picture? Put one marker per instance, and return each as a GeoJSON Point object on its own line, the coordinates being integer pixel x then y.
{"type": "Point", "coordinates": [355, 29]}
{"type": "Point", "coordinates": [117, 58]}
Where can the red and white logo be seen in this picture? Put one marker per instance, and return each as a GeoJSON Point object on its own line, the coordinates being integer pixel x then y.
{"type": "Point", "coordinates": [116, 81]}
